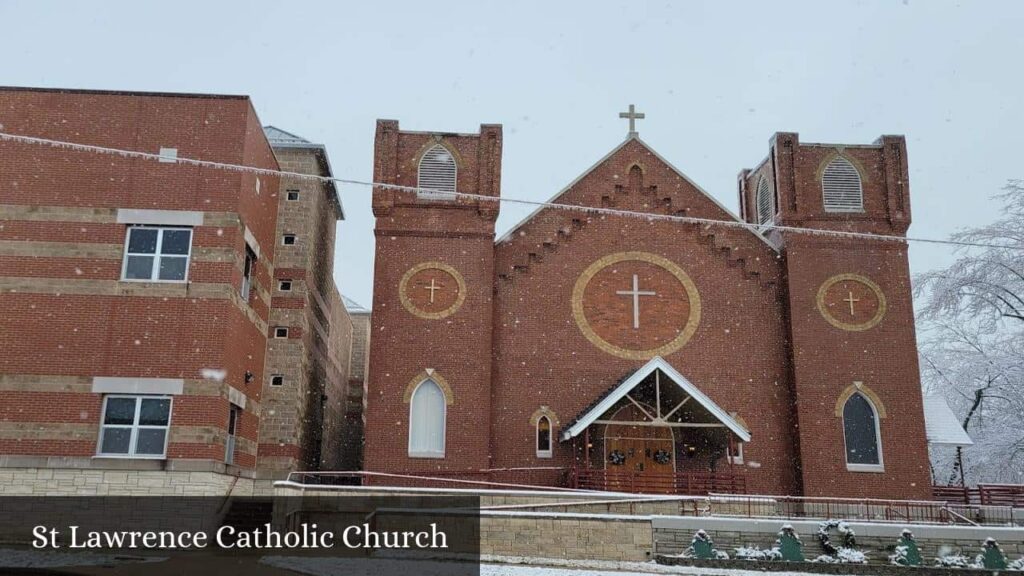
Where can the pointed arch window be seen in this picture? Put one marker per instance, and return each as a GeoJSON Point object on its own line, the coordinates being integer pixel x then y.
{"type": "Point", "coordinates": [841, 187]}
{"type": "Point", "coordinates": [862, 434]}
{"type": "Point", "coordinates": [544, 437]}
{"type": "Point", "coordinates": [437, 171]}
{"type": "Point", "coordinates": [765, 201]}
{"type": "Point", "coordinates": [427, 414]}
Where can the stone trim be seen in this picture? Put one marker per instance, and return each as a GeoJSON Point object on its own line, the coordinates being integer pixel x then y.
{"type": "Point", "coordinates": [98, 251]}
{"type": "Point", "coordinates": [31, 213]}
{"type": "Point", "coordinates": [129, 385]}
{"type": "Point", "coordinates": [839, 152]}
{"type": "Point", "coordinates": [65, 286]}
{"type": "Point", "coordinates": [83, 385]}
{"type": "Point", "coordinates": [434, 140]}
{"type": "Point", "coordinates": [854, 388]}
{"type": "Point", "coordinates": [408, 304]}
{"type": "Point", "coordinates": [879, 295]}
{"type": "Point", "coordinates": [159, 217]}
{"type": "Point", "coordinates": [584, 325]}
{"type": "Point", "coordinates": [429, 374]}
{"type": "Point", "coordinates": [544, 411]}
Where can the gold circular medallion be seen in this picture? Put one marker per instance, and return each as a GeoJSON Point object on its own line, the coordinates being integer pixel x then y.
{"type": "Point", "coordinates": [432, 290]}
{"type": "Point", "coordinates": [851, 302]}
{"type": "Point", "coordinates": [636, 305]}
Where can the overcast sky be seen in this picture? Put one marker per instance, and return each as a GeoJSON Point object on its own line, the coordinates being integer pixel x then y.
{"type": "Point", "coordinates": [715, 79]}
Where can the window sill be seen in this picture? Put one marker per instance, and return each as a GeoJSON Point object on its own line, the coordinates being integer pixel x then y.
{"type": "Point", "coordinates": [434, 455]}
{"type": "Point", "coordinates": [148, 281]}
{"type": "Point", "coordinates": [877, 468]}
{"type": "Point", "coordinates": [545, 454]}
{"type": "Point", "coordinates": [129, 457]}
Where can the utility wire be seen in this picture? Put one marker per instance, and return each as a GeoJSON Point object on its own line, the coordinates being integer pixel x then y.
{"type": "Point", "coordinates": [756, 228]}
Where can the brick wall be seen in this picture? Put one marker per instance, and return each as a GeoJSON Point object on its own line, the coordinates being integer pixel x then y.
{"type": "Point", "coordinates": [68, 316]}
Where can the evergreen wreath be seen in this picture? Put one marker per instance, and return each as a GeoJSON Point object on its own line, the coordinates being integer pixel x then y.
{"type": "Point", "coordinates": [662, 456]}
{"type": "Point", "coordinates": [617, 458]}
{"type": "Point", "coordinates": [825, 540]}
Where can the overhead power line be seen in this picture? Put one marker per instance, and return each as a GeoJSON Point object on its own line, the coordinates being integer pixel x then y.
{"type": "Point", "coordinates": [650, 216]}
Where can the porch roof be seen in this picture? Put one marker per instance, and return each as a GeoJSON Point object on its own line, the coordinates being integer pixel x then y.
{"type": "Point", "coordinates": [618, 392]}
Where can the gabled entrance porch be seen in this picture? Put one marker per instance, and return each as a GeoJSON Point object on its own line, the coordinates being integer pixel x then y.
{"type": "Point", "coordinates": [655, 432]}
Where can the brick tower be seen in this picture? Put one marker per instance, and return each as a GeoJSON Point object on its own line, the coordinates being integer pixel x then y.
{"type": "Point", "coordinates": [854, 357]}
{"type": "Point", "coordinates": [432, 301]}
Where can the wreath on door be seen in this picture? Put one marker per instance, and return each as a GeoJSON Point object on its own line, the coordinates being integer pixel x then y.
{"type": "Point", "coordinates": [662, 456]}
{"type": "Point", "coordinates": [617, 458]}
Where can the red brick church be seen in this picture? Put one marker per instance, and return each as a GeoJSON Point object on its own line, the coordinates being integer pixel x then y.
{"type": "Point", "coordinates": [614, 352]}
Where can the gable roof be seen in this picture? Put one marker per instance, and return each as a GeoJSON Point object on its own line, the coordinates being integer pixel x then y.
{"type": "Point", "coordinates": [508, 234]}
{"type": "Point", "coordinates": [941, 425]}
{"type": "Point", "coordinates": [617, 393]}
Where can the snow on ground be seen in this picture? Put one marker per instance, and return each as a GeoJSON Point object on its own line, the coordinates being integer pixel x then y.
{"type": "Point", "coordinates": [496, 566]}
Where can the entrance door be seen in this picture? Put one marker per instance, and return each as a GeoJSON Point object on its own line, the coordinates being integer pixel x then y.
{"type": "Point", "coordinates": [638, 458]}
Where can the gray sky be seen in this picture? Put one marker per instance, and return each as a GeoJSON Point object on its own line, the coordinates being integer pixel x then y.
{"type": "Point", "coordinates": [715, 79]}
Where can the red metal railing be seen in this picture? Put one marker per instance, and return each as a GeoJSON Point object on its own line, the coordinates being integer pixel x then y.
{"type": "Point", "coordinates": [690, 483]}
{"type": "Point", "coordinates": [982, 495]}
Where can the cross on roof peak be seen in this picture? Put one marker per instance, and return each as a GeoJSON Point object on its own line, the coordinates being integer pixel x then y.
{"type": "Point", "coordinates": [633, 116]}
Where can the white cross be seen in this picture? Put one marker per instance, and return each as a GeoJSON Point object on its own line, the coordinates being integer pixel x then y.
{"type": "Point", "coordinates": [636, 293]}
{"type": "Point", "coordinates": [851, 300]}
{"type": "Point", "coordinates": [432, 287]}
{"type": "Point", "coordinates": [633, 116]}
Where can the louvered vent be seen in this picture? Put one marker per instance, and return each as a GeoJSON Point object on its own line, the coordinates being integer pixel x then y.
{"type": "Point", "coordinates": [765, 201]}
{"type": "Point", "coordinates": [841, 187]}
{"type": "Point", "coordinates": [437, 172]}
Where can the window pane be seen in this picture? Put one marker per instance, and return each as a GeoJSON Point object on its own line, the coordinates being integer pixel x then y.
{"type": "Point", "coordinates": [175, 242]}
{"type": "Point", "coordinates": [150, 441]}
{"type": "Point", "coordinates": [115, 440]}
{"type": "Point", "coordinates": [172, 268]}
{"type": "Point", "coordinates": [120, 411]}
{"type": "Point", "coordinates": [139, 268]}
{"type": "Point", "coordinates": [142, 240]}
{"type": "Point", "coordinates": [859, 426]}
{"type": "Point", "coordinates": [426, 428]}
{"type": "Point", "coordinates": [543, 435]}
{"type": "Point", "coordinates": [155, 412]}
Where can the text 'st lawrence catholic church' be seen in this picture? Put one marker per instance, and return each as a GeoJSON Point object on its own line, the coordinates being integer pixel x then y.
{"type": "Point", "coordinates": [612, 352]}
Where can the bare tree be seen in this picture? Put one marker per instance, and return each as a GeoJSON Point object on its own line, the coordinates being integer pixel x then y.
{"type": "Point", "coordinates": [971, 318]}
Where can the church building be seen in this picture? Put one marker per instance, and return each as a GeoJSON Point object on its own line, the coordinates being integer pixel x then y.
{"type": "Point", "coordinates": [615, 352]}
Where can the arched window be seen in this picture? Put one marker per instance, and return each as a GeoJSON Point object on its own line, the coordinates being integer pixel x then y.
{"type": "Point", "coordinates": [862, 434]}
{"type": "Point", "coordinates": [427, 412]}
{"type": "Point", "coordinates": [544, 437]}
{"type": "Point", "coordinates": [841, 187]}
{"type": "Point", "coordinates": [765, 201]}
{"type": "Point", "coordinates": [437, 171]}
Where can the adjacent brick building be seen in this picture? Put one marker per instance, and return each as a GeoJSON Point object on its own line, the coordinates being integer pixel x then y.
{"type": "Point", "coordinates": [618, 352]}
{"type": "Point", "coordinates": [138, 296]}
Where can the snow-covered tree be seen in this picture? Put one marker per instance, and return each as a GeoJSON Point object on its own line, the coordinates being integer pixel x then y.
{"type": "Point", "coordinates": [971, 321]}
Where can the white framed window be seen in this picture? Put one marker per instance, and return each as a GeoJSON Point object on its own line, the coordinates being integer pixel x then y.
{"type": "Point", "coordinates": [736, 453]}
{"type": "Point", "coordinates": [277, 380]}
{"type": "Point", "coordinates": [292, 195]}
{"type": "Point", "coordinates": [841, 188]}
{"type": "Point", "coordinates": [544, 437]}
{"type": "Point", "coordinates": [862, 435]}
{"type": "Point", "coordinates": [247, 272]}
{"type": "Point", "coordinates": [284, 285]}
{"type": "Point", "coordinates": [234, 414]}
{"type": "Point", "coordinates": [437, 172]}
{"type": "Point", "coordinates": [281, 332]}
{"type": "Point", "coordinates": [156, 254]}
{"type": "Point", "coordinates": [764, 201]}
{"type": "Point", "coordinates": [288, 239]}
{"type": "Point", "coordinates": [134, 426]}
{"type": "Point", "coordinates": [427, 414]}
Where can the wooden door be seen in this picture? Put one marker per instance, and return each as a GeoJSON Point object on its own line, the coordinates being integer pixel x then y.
{"type": "Point", "coordinates": [638, 458]}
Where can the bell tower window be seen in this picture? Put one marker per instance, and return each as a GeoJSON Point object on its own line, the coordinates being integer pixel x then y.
{"type": "Point", "coordinates": [437, 173]}
{"type": "Point", "coordinates": [841, 187]}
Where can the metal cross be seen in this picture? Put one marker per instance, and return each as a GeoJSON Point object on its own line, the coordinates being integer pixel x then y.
{"type": "Point", "coordinates": [633, 116]}
{"type": "Point", "coordinates": [432, 287]}
{"type": "Point", "coordinates": [851, 300]}
{"type": "Point", "coordinates": [636, 293]}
